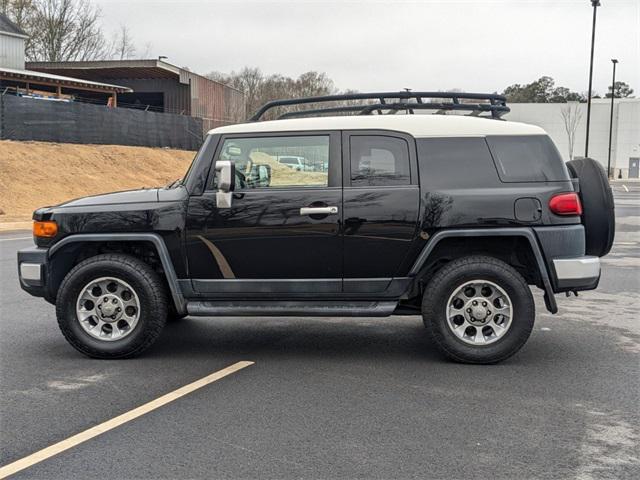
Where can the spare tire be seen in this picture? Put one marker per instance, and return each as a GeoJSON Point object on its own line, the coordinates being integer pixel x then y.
{"type": "Point", "coordinates": [598, 215]}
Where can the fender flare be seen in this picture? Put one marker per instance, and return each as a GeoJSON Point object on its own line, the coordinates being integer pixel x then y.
{"type": "Point", "coordinates": [153, 238]}
{"type": "Point", "coordinates": [527, 233]}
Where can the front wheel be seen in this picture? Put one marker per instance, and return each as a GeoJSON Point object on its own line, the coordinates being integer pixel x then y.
{"type": "Point", "coordinates": [111, 306]}
{"type": "Point", "coordinates": [478, 309]}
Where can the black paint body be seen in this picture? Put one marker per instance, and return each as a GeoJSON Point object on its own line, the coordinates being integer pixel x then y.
{"type": "Point", "coordinates": [263, 247]}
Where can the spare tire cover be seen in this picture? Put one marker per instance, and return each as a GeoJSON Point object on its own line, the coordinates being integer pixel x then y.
{"type": "Point", "coordinates": [598, 216]}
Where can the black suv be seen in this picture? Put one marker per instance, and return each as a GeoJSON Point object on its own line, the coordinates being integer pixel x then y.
{"type": "Point", "coordinates": [451, 217]}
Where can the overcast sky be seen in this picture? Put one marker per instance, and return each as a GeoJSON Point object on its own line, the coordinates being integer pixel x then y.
{"type": "Point", "coordinates": [475, 45]}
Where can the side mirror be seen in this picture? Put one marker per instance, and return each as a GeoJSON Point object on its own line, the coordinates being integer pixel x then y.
{"type": "Point", "coordinates": [226, 180]}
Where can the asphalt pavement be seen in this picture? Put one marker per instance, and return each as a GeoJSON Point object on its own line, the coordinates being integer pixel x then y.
{"type": "Point", "coordinates": [335, 397]}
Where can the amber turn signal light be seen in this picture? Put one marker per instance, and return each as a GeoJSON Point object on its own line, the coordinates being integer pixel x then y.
{"type": "Point", "coordinates": [45, 229]}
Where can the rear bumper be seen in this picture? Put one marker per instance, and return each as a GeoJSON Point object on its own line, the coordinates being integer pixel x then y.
{"type": "Point", "coordinates": [569, 268]}
{"type": "Point", "coordinates": [578, 273]}
{"type": "Point", "coordinates": [32, 270]}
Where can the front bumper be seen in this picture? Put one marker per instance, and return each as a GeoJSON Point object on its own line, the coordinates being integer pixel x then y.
{"type": "Point", "coordinates": [578, 273]}
{"type": "Point", "coordinates": [32, 270]}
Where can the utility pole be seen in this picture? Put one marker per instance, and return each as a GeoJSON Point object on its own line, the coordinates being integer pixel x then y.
{"type": "Point", "coordinates": [595, 4]}
{"type": "Point", "coordinates": [613, 94]}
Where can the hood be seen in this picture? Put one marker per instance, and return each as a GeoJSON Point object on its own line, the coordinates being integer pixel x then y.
{"type": "Point", "coordinates": [144, 195]}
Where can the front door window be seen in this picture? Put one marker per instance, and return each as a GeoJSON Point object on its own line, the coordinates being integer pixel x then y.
{"type": "Point", "coordinates": [279, 162]}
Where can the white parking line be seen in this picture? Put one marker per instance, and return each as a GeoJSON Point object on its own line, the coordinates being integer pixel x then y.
{"type": "Point", "coordinates": [16, 238]}
{"type": "Point", "coordinates": [81, 437]}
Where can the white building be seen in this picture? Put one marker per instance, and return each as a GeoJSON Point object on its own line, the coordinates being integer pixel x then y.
{"type": "Point", "coordinates": [625, 145]}
{"type": "Point", "coordinates": [11, 44]}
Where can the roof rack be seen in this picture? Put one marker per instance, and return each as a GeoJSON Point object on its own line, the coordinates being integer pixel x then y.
{"type": "Point", "coordinates": [392, 102]}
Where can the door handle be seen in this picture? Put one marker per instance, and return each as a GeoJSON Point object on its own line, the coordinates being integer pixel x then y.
{"type": "Point", "coordinates": [318, 210]}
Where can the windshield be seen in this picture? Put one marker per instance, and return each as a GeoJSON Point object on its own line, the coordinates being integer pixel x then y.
{"type": "Point", "coordinates": [183, 180]}
{"type": "Point", "coordinates": [193, 171]}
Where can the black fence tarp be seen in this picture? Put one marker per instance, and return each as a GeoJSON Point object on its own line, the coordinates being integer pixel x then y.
{"type": "Point", "coordinates": [69, 122]}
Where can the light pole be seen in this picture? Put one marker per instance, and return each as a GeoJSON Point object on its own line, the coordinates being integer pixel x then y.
{"type": "Point", "coordinates": [613, 94]}
{"type": "Point", "coordinates": [595, 4]}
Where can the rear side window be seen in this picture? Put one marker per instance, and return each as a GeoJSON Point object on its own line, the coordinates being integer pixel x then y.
{"type": "Point", "coordinates": [379, 160]}
{"type": "Point", "coordinates": [463, 162]}
{"type": "Point", "coordinates": [527, 158]}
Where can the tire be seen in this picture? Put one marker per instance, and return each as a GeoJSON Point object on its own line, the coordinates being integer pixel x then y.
{"type": "Point", "coordinates": [494, 276]}
{"type": "Point", "coordinates": [598, 216]}
{"type": "Point", "coordinates": [139, 292]}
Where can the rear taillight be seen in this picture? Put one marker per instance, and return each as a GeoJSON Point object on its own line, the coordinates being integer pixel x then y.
{"type": "Point", "coordinates": [566, 204]}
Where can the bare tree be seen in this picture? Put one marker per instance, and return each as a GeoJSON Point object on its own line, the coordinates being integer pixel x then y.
{"type": "Point", "coordinates": [249, 80]}
{"type": "Point", "coordinates": [59, 30]}
{"type": "Point", "coordinates": [311, 84]}
{"type": "Point", "coordinates": [259, 89]}
{"type": "Point", "coordinates": [146, 53]}
{"type": "Point", "coordinates": [571, 116]}
{"type": "Point", "coordinates": [19, 11]}
{"type": "Point", "coordinates": [275, 87]}
{"type": "Point", "coordinates": [123, 46]}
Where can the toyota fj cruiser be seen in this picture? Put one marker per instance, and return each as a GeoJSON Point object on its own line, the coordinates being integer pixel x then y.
{"type": "Point", "coordinates": [452, 217]}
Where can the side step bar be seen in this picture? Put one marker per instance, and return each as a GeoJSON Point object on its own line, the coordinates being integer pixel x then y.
{"type": "Point", "coordinates": [294, 308]}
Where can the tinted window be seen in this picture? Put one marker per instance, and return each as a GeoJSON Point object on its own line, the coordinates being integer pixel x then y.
{"type": "Point", "coordinates": [263, 162]}
{"type": "Point", "coordinates": [379, 160]}
{"type": "Point", "coordinates": [527, 158]}
{"type": "Point", "coordinates": [447, 163]}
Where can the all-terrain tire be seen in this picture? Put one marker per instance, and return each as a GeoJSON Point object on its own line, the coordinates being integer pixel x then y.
{"type": "Point", "coordinates": [146, 283]}
{"type": "Point", "coordinates": [598, 216]}
{"type": "Point", "coordinates": [456, 273]}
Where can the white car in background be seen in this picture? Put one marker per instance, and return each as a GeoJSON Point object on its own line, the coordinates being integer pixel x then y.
{"type": "Point", "coordinates": [294, 162]}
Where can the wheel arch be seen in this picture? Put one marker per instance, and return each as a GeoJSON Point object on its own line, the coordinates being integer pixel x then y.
{"type": "Point", "coordinates": [455, 241]}
{"type": "Point", "coordinates": [63, 255]}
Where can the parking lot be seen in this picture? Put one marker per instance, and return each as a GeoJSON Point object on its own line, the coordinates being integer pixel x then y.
{"type": "Point", "coordinates": [336, 397]}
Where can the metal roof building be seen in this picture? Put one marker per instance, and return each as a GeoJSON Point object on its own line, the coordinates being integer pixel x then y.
{"type": "Point", "coordinates": [159, 86]}
{"type": "Point", "coordinates": [15, 79]}
{"type": "Point", "coordinates": [36, 81]}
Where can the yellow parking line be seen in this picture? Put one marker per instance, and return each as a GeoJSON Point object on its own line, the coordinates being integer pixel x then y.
{"type": "Point", "coordinates": [92, 432]}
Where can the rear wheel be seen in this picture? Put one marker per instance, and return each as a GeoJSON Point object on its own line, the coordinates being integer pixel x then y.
{"type": "Point", "coordinates": [478, 309]}
{"type": "Point", "coordinates": [111, 306]}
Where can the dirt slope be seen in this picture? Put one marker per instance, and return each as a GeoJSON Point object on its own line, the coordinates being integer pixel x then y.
{"type": "Point", "coordinates": [35, 174]}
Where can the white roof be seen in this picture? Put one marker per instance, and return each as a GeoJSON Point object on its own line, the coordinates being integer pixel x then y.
{"type": "Point", "coordinates": [416, 125]}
